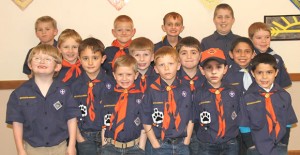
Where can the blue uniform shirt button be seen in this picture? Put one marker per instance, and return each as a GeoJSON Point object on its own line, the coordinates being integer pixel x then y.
{"type": "Point", "coordinates": [46, 128]}
{"type": "Point", "coordinates": [47, 143]}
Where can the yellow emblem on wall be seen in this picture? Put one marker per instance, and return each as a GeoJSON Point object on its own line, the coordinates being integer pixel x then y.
{"type": "Point", "coordinates": [210, 4]}
{"type": "Point", "coordinates": [118, 4]}
{"type": "Point", "coordinates": [22, 4]}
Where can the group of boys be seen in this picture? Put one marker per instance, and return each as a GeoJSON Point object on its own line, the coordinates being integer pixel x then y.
{"type": "Point", "coordinates": [210, 98]}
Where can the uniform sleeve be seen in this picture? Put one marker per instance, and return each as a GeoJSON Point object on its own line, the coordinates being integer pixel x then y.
{"type": "Point", "coordinates": [72, 109]}
{"type": "Point", "coordinates": [196, 115]}
{"type": "Point", "coordinates": [285, 80]}
{"type": "Point", "coordinates": [146, 113]}
{"type": "Point", "coordinates": [13, 111]}
{"type": "Point", "coordinates": [244, 118]}
{"type": "Point", "coordinates": [26, 69]}
{"type": "Point", "coordinates": [292, 118]}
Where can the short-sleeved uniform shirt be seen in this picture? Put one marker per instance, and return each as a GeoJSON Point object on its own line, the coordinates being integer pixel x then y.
{"type": "Point", "coordinates": [44, 119]}
{"type": "Point", "coordinates": [206, 114]}
{"type": "Point", "coordinates": [282, 78]}
{"type": "Point", "coordinates": [150, 76]}
{"type": "Point", "coordinates": [235, 77]}
{"type": "Point", "coordinates": [253, 115]}
{"type": "Point", "coordinates": [110, 53]}
{"type": "Point", "coordinates": [132, 126]}
{"type": "Point", "coordinates": [80, 91]}
{"type": "Point", "coordinates": [164, 42]}
{"type": "Point", "coordinates": [26, 69]}
{"type": "Point", "coordinates": [153, 108]}
{"type": "Point", "coordinates": [222, 42]}
{"type": "Point", "coordinates": [62, 73]}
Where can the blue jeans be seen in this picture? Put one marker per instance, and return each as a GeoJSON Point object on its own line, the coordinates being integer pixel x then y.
{"type": "Point", "coordinates": [91, 145]}
{"type": "Point", "coordinates": [230, 147]}
{"type": "Point", "coordinates": [167, 148]}
{"type": "Point", "coordinates": [194, 144]}
{"type": "Point", "coordinates": [110, 149]}
{"type": "Point", "coordinates": [280, 148]}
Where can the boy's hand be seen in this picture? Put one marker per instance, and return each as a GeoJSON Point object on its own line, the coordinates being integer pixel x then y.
{"type": "Point", "coordinates": [22, 152]}
{"type": "Point", "coordinates": [156, 145]}
{"type": "Point", "coordinates": [186, 141]}
{"type": "Point", "coordinates": [71, 151]}
{"type": "Point", "coordinates": [79, 138]}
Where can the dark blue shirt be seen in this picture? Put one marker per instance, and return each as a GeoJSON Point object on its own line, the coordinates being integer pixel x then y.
{"type": "Point", "coordinates": [153, 108]}
{"type": "Point", "coordinates": [206, 113]}
{"type": "Point", "coordinates": [80, 88]}
{"type": "Point", "coordinates": [164, 42]}
{"type": "Point", "coordinates": [44, 119]}
{"type": "Point", "coordinates": [62, 73]}
{"type": "Point", "coordinates": [222, 42]}
{"type": "Point", "coordinates": [198, 83]}
{"type": "Point", "coordinates": [253, 115]}
{"type": "Point", "coordinates": [150, 77]}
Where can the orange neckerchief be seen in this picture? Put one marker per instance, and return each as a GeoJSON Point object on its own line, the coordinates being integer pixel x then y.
{"type": "Point", "coordinates": [220, 109]}
{"type": "Point", "coordinates": [121, 107]}
{"type": "Point", "coordinates": [192, 83]}
{"type": "Point", "coordinates": [71, 70]}
{"type": "Point", "coordinates": [271, 117]}
{"type": "Point", "coordinates": [90, 98]}
{"type": "Point", "coordinates": [121, 51]}
{"type": "Point", "coordinates": [169, 108]}
{"type": "Point", "coordinates": [143, 83]}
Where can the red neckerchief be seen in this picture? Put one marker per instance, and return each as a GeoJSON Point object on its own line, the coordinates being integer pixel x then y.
{"type": "Point", "coordinates": [90, 98]}
{"type": "Point", "coordinates": [271, 117]}
{"type": "Point", "coordinates": [169, 108]}
{"type": "Point", "coordinates": [220, 109]}
{"type": "Point", "coordinates": [192, 82]}
{"type": "Point", "coordinates": [121, 51]}
{"type": "Point", "coordinates": [121, 107]}
{"type": "Point", "coordinates": [71, 70]}
{"type": "Point", "coordinates": [143, 83]}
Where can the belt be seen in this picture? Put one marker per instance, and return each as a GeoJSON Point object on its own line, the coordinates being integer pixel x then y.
{"type": "Point", "coordinates": [173, 141]}
{"type": "Point", "coordinates": [123, 145]}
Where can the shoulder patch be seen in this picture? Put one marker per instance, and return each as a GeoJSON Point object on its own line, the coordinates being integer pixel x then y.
{"type": "Point", "coordinates": [62, 91]}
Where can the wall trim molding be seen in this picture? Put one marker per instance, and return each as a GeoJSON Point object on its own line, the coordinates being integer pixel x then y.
{"type": "Point", "coordinates": [13, 84]}
{"type": "Point", "coordinates": [294, 152]}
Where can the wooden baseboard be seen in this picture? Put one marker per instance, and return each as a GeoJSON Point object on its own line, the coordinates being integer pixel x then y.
{"type": "Point", "coordinates": [294, 152]}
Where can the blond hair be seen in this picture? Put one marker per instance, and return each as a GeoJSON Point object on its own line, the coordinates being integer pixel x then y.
{"type": "Point", "coordinates": [45, 19]}
{"type": "Point", "coordinates": [68, 33]}
{"type": "Point", "coordinates": [225, 7]}
{"type": "Point", "coordinates": [253, 28]}
{"type": "Point", "coordinates": [141, 44]}
{"type": "Point", "coordinates": [123, 18]}
{"type": "Point", "coordinates": [166, 50]}
{"type": "Point", "coordinates": [126, 61]}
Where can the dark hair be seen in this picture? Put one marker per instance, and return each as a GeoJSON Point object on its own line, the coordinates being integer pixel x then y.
{"type": "Point", "coordinates": [189, 42]}
{"type": "Point", "coordinates": [264, 58]}
{"type": "Point", "coordinates": [94, 44]}
{"type": "Point", "coordinates": [242, 40]}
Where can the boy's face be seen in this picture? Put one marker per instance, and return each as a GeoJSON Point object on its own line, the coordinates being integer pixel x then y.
{"type": "Point", "coordinates": [125, 76]}
{"type": "Point", "coordinates": [144, 59]}
{"type": "Point", "coordinates": [189, 57]}
{"type": "Point", "coordinates": [69, 50]}
{"type": "Point", "coordinates": [173, 27]}
{"type": "Point", "coordinates": [242, 54]}
{"type": "Point", "coordinates": [214, 72]}
{"type": "Point", "coordinates": [261, 40]}
{"type": "Point", "coordinates": [167, 68]}
{"type": "Point", "coordinates": [43, 65]}
{"type": "Point", "coordinates": [264, 75]}
{"type": "Point", "coordinates": [91, 62]}
{"type": "Point", "coordinates": [46, 32]}
{"type": "Point", "coordinates": [223, 21]}
{"type": "Point", "coordinates": [123, 32]}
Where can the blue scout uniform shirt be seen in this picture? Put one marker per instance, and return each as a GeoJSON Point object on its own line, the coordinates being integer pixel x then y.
{"type": "Point", "coordinates": [222, 42]}
{"type": "Point", "coordinates": [44, 118]}
{"type": "Point", "coordinates": [253, 115]}
{"type": "Point", "coordinates": [26, 69]}
{"type": "Point", "coordinates": [80, 88]}
{"type": "Point", "coordinates": [206, 113]}
{"type": "Point", "coordinates": [62, 74]}
{"type": "Point", "coordinates": [151, 76]}
{"type": "Point", "coordinates": [198, 83]}
{"type": "Point", "coordinates": [153, 109]}
{"type": "Point", "coordinates": [132, 126]}
{"type": "Point", "coordinates": [235, 77]}
{"type": "Point", "coordinates": [164, 42]}
{"type": "Point", "coordinates": [283, 78]}
{"type": "Point", "coordinates": [110, 53]}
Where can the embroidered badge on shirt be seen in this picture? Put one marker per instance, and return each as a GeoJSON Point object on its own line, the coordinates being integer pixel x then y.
{"type": "Point", "coordinates": [107, 119]}
{"type": "Point", "coordinates": [57, 105]}
{"type": "Point", "coordinates": [184, 93]}
{"type": "Point", "coordinates": [62, 91]}
{"type": "Point", "coordinates": [233, 115]}
{"type": "Point", "coordinates": [108, 86]}
{"type": "Point", "coordinates": [205, 117]}
{"type": "Point", "coordinates": [231, 93]}
{"type": "Point", "coordinates": [157, 116]}
{"type": "Point", "coordinates": [138, 101]}
{"type": "Point", "coordinates": [83, 109]}
{"type": "Point", "coordinates": [137, 121]}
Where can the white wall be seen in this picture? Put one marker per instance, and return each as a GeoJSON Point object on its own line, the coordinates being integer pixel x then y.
{"type": "Point", "coordinates": [95, 18]}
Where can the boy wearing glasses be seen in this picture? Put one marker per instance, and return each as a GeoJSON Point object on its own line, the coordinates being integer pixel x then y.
{"type": "Point", "coordinates": [42, 111]}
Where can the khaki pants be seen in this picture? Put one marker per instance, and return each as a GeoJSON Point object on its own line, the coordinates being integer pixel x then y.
{"type": "Point", "coordinates": [59, 149]}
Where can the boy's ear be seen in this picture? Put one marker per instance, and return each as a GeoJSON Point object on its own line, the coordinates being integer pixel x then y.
{"type": "Point", "coordinates": [202, 70]}
{"type": "Point", "coordinates": [136, 75]}
{"type": "Point", "coordinates": [178, 65]}
{"type": "Point", "coordinates": [231, 54]}
{"type": "Point", "coordinates": [225, 69]}
{"type": "Point", "coordinates": [114, 75]}
{"type": "Point", "coordinates": [252, 73]}
{"type": "Point", "coordinates": [152, 56]}
{"type": "Point", "coordinates": [103, 59]}
{"type": "Point", "coordinates": [57, 67]}
{"type": "Point", "coordinates": [156, 70]}
{"type": "Point", "coordinates": [55, 32]}
{"type": "Point", "coordinates": [113, 32]}
{"type": "Point", "coordinates": [163, 28]}
{"type": "Point", "coordinates": [276, 73]}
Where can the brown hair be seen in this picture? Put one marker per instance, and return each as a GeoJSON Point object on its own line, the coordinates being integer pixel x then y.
{"type": "Point", "coordinates": [92, 43]}
{"type": "Point", "coordinates": [173, 15]}
{"type": "Point", "coordinates": [141, 44]}
{"type": "Point", "coordinates": [223, 6]}
{"type": "Point", "coordinates": [123, 18]}
{"type": "Point", "coordinates": [45, 19]}
{"type": "Point", "coordinates": [126, 61]}
{"type": "Point", "coordinates": [189, 42]}
{"type": "Point", "coordinates": [66, 34]}
{"type": "Point", "coordinates": [166, 50]}
{"type": "Point", "coordinates": [253, 28]}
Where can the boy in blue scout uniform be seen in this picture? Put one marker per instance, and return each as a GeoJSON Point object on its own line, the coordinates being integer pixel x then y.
{"type": "Point", "coordinates": [43, 111]}
{"type": "Point", "coordinates": [45, 30]}
{"type": "Point", "coordinates": [173, 26]}
{"type": "Point", "coordinates": [123, 31]}
{"type": "Point", "coordinates": [189, 73]}
{"type": "Point", "coordinates": [266, 110]}
{"type": "Point", "coordinates": [88, 90]}
{"type": "Point", "coordinates": [142, 49]}
{"type": "Point", "coordinates": [167, 107]}
{"type": "Point", "coordinates": [260, 35]}
{"type": "Point", "coordinates": [223, 37]}
{"type": "Point", "coordinates": [123, 131]}
{"type": "Point", "coordinates": [68, 43]}
{"type": "Point", "coordinates": [238, 74]}
{"type": "Point", "coordinates": [216, 107]}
